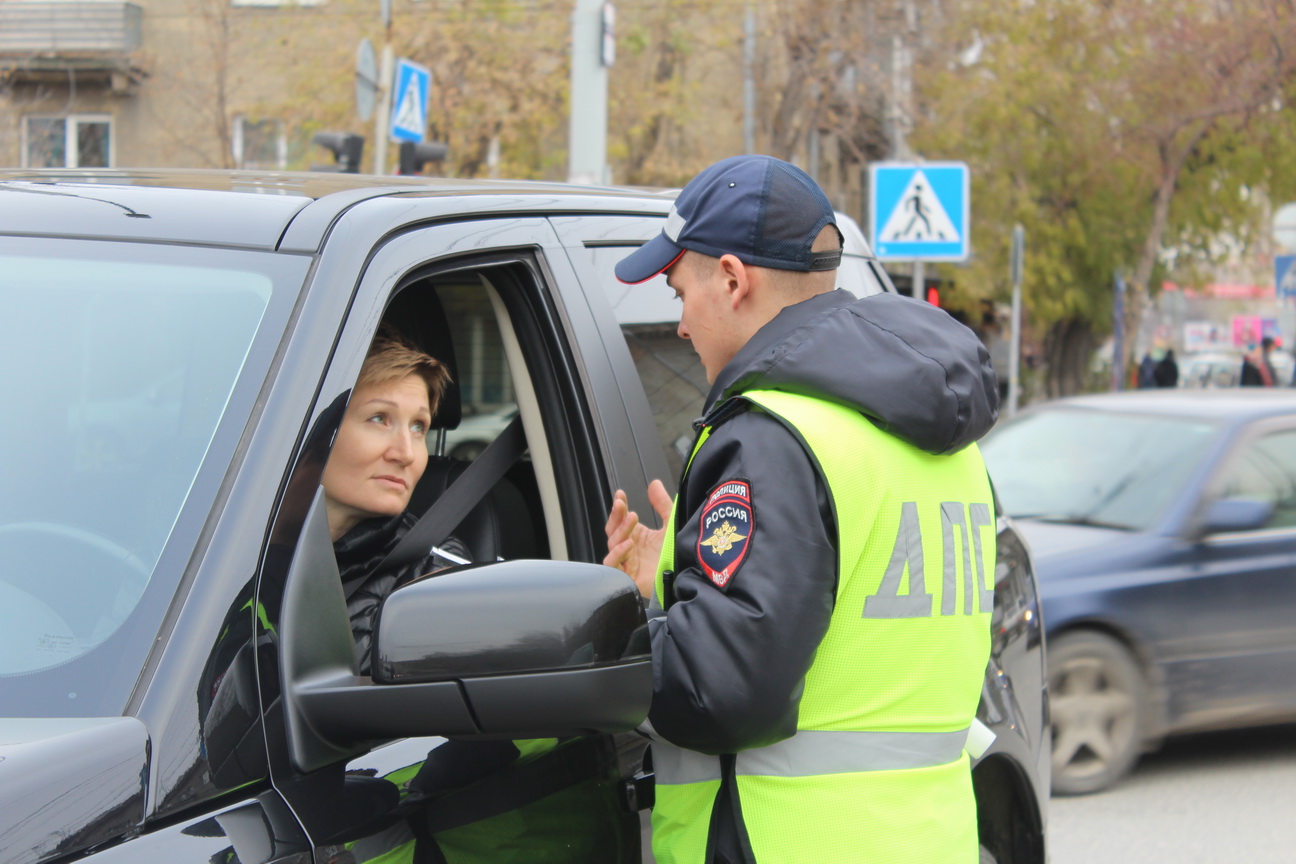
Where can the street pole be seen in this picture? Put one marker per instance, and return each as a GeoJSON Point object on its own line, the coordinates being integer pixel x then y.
{"type": "Point", "coordinates": [382, 116]}
{"type": "Point", "coordinates": [587, 125]}
{"type": "Point", "coordinates": [1016, 266]}
{"type": "Point", "coordinates": [901, 112]}
{"type": "Point", "coordinates": [1118, 335]}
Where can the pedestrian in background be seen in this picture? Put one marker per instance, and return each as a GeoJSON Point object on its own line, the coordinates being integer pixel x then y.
{"type": "Point", "coordinates": [1147, 372]}
{"type": "Point", "coordinates": [1166, 373]}
{"type": "Point", "coordinates": [1257, 369]}
{"type": "Point", "coordinates": [822, 587]}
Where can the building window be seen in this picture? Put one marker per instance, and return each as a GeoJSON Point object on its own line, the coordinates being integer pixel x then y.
{"type": "Point", "coordinates": [72, 141]}
{"type": "Point", "coordinates": [259, 145]}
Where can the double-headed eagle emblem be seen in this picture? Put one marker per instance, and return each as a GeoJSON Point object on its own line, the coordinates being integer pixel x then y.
{"type": "Point", "coordinates": [724, 538]}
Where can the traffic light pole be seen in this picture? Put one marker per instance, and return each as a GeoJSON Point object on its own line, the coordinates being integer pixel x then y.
{"type": "Point", "coordinates": [587, 124]}
{"type": "Point", "coordinates": [382, 115]}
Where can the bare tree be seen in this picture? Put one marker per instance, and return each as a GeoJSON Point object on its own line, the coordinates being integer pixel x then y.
{"type": "Point", "coordinates": [1227, 64]}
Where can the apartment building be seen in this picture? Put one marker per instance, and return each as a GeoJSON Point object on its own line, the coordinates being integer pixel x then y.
{"type": "Point", "coordinates": [165, 83]}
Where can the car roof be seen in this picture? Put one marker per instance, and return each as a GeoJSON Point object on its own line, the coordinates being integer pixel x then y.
{"type": "Point", "coordinates": [1234, 404]}
{"type": "Point", "coordinates": [254, 209]}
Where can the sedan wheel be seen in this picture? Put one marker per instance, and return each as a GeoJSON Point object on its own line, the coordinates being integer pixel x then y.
{"type": "Point", "coordinates": [1096, 697]}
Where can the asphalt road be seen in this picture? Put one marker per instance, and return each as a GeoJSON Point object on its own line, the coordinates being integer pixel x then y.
{"type": "Point", "coordinates": [1222, 797]}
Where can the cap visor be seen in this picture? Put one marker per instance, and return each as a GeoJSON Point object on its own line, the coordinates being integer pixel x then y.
{"type": "Point", "coordinates": [649, 260]}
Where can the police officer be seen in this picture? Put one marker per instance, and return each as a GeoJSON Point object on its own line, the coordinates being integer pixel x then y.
{"type": "Point", "coordinates": [820, 614]}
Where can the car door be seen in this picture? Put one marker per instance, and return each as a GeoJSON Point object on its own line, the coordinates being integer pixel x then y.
{"type": "Point", "coordinates": [522, 340]}
{"type": "Point", "coordinates": [1242, 659]}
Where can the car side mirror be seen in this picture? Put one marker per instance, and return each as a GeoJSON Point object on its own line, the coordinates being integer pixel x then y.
{"type": "Point", "coordinates": [535, 645]}
{"type": "Point", "coordinates": [1228, 515]}
{"type": "Point", "coordinates": [518, 649]}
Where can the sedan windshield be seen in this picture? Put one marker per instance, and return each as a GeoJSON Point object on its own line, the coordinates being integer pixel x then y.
{"type": "Point", "coordinates": [129, 375]}
{"type": "Point", "coordinates": [1094, 467]}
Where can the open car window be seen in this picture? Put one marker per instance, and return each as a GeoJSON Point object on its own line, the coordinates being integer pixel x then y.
{"type": "Point", "coordinates": [493, 388]}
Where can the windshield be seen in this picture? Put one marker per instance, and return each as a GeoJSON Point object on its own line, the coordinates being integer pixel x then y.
{"type": "Point", "coordinates": [1093, 467]}
{"type": "Point", "coordinates": [122, 363]}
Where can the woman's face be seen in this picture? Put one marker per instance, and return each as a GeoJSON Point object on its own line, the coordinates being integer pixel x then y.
{"type": "Point", "coordinates": [379, 454]}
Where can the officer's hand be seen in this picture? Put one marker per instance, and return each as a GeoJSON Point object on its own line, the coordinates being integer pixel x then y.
{"type": "Point", "coordinates": [634, 548]}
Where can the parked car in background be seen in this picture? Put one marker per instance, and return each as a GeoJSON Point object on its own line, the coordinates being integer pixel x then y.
{"type": "Point", "coordinates": [1210, 369]}
{"type": "Point", "coordinates": [1163, 528]}
{"type": "Point", "coordinates": [177, 672]}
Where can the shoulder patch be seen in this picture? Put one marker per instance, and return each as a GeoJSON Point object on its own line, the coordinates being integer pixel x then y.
{"type": "Point", "coordinates": [725, 531]}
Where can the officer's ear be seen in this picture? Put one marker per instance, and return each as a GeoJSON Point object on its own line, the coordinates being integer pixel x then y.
{"type": "Point", "coordinates": [736, 279]}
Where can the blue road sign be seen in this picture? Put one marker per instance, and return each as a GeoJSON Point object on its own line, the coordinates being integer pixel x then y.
{"type": "Point", "coordinates": [410, 101]}
{"type": "Point", "coordinates": [918, 211]}
{"type": "Point", "coordinates": [1285, 276]}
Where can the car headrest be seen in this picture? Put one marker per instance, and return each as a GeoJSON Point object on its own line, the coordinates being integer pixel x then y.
{"type": "Point", "coordinates": [417, 312]}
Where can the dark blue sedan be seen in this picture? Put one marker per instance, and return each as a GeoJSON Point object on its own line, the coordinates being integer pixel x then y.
{"type": "Point", "coordinates": [1163, 529]}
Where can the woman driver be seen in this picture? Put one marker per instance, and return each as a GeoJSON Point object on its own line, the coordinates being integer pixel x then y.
{"type": "Point", "coordinates": [568, 809]}
{"type": "Point", "coordinates": [378, 456]}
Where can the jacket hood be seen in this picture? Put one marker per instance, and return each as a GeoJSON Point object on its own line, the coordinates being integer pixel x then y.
{"type": "Point", "coordinates": [907, 365]}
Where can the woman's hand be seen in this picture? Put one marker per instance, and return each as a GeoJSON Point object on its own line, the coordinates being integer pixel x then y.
{"type": "Point", "coordinates": [634, 548]}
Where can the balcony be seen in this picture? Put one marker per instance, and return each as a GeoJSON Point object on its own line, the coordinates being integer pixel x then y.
{"type": "Point", "coordinates": [51, 41]}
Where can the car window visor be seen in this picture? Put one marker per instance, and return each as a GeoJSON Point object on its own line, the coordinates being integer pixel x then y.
{"type": "Point", "coordinates": [434, 526]}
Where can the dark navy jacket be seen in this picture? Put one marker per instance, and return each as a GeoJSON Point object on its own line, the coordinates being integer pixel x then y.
{"type": "Point", "coordinates": [729, 662]}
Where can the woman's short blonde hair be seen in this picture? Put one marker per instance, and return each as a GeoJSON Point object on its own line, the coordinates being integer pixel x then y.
{"type": "Point", "coordinates": [392, 357]}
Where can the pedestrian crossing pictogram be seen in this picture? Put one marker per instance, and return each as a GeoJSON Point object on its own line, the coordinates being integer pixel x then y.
{"type": "Point", "coordinates": [919, 211]}
{"type": "Point", "coordinates": [408, 113]}
{"type": "Point", "coordinates": [409, 101]}
{"type": "Point", "coordinates": [920, 216]}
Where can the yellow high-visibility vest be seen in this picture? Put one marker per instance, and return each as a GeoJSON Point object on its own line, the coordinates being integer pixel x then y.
{"type": "Point", "coordinates": [876, 770]}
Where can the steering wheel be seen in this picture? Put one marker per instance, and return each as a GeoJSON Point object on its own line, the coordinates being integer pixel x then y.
{"type": "Point", "coordinates": [95, 542]}
{"type": "Point", "coordinates": [86, 586]}
{"type": "Point", "coordinates": [37, 637]}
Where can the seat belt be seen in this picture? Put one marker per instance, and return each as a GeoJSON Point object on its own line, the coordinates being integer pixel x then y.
{"type": "Point", "coordinates": [461, 496]}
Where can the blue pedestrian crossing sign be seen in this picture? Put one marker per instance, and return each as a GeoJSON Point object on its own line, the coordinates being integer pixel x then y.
{"type": "Point", "coordinates": [918, 211]}
{"type": "Point", "coordinates": [410, 101]}
{"type": "Point", "coordinates": [1285, 276]}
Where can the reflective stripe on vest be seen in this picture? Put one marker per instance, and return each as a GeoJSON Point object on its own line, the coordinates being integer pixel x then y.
{"type": "Point", "coordinates": [809, 753]}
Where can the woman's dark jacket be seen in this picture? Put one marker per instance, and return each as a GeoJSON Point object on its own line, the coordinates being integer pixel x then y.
{"type": "Point", "coordinates": [362, 549]}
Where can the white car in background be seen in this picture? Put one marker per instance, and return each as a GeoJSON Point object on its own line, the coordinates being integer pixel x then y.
{"type": "Point", "coordinates": [1211, 369]}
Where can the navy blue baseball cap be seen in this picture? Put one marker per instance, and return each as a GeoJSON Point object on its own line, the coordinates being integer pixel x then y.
{"type": "Point", "coordinates": [762, 210]}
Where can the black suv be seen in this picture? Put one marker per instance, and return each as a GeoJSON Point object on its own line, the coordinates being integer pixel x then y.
{"type": "Point", "coordinates": [177, 680]}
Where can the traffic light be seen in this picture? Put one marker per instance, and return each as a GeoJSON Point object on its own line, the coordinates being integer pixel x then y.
{"type": "Point", "coordinates": [414, 155]}
{"type": "Point", "coordinates": [933, 295]}
{"type": "Point", "coordinates": [346, 149]}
